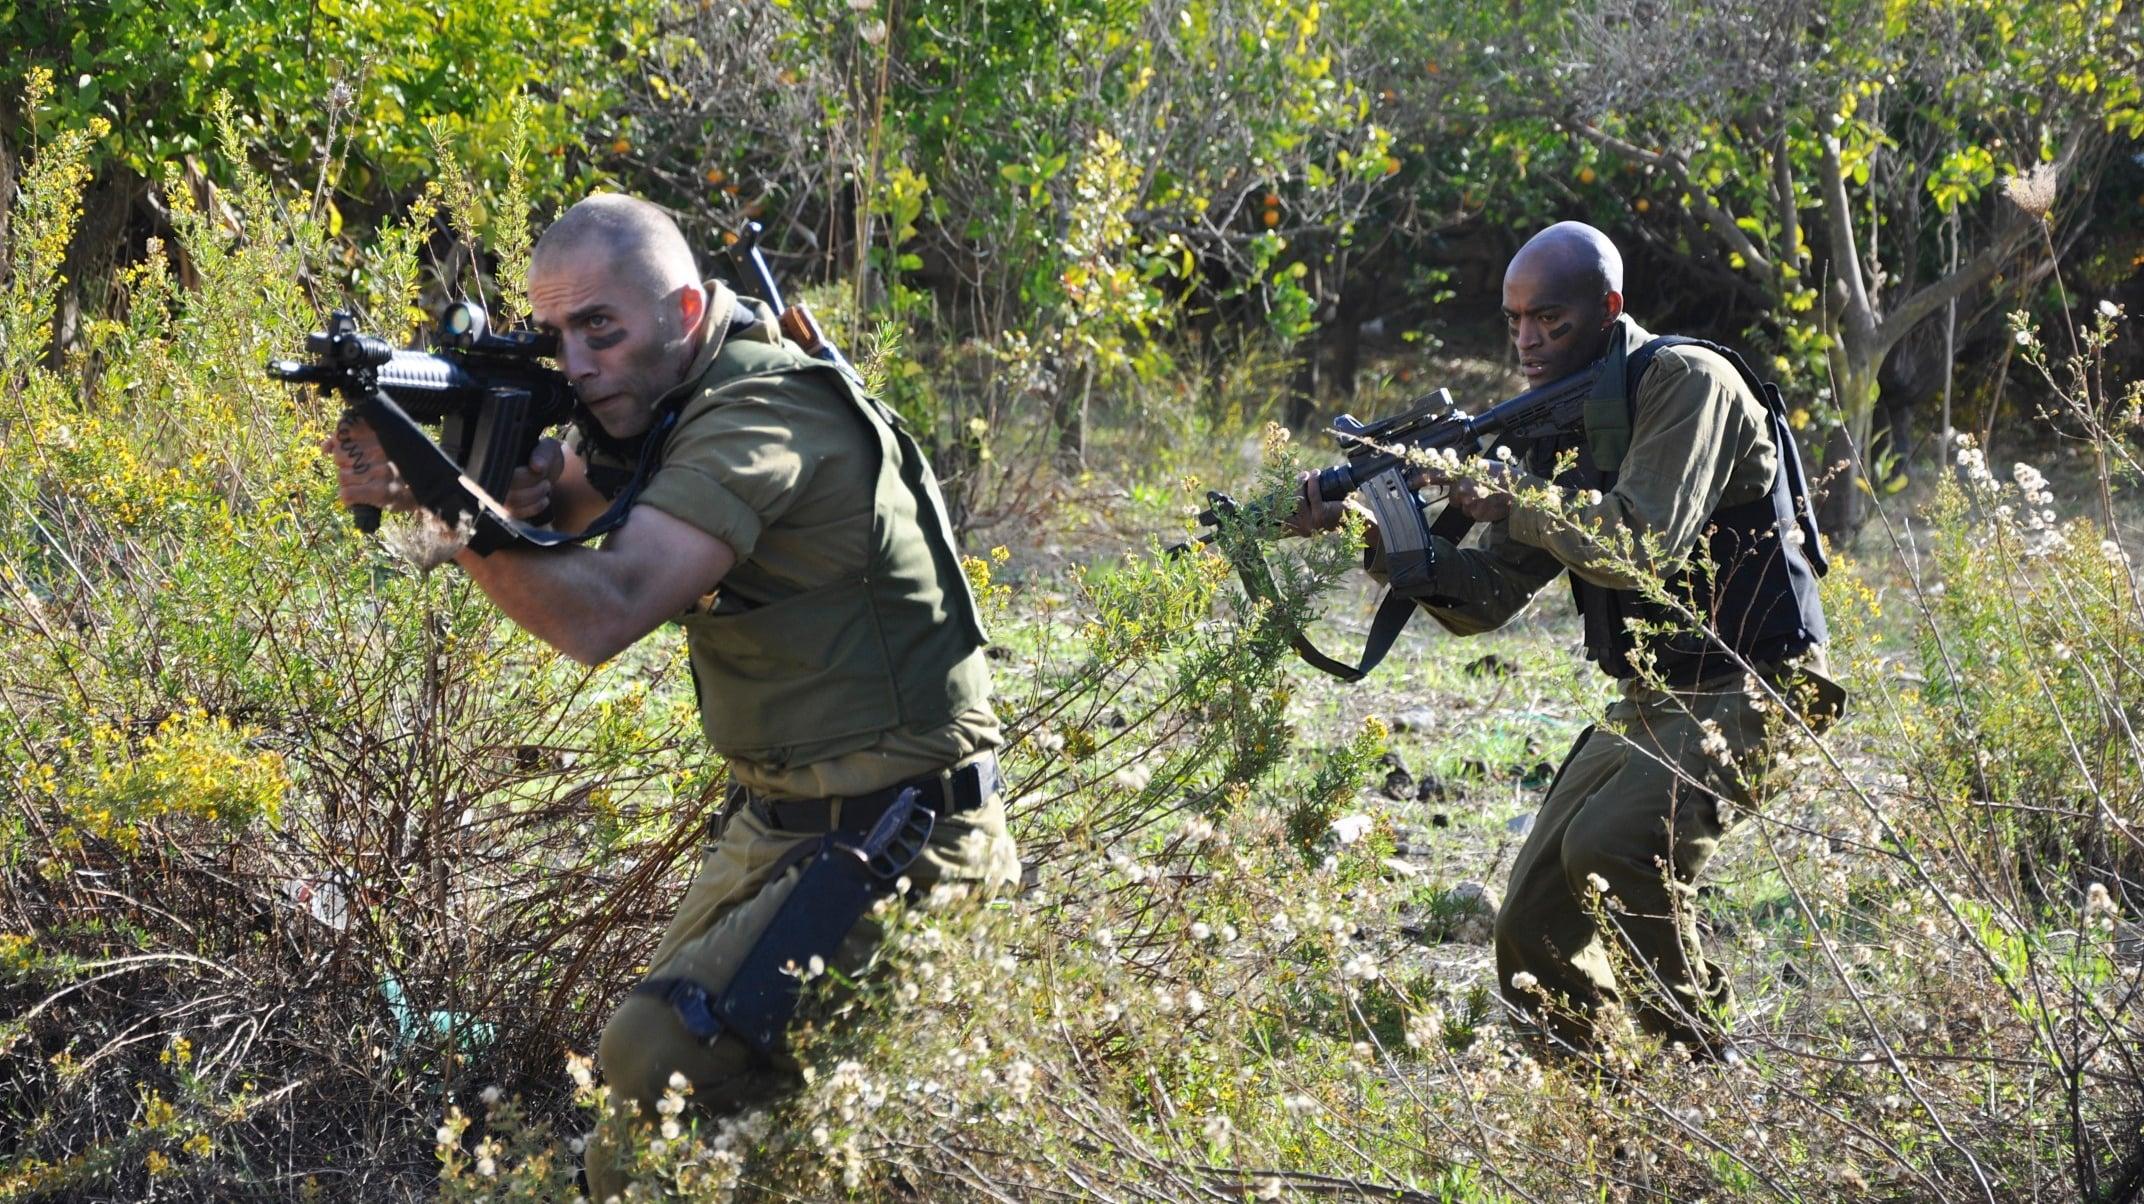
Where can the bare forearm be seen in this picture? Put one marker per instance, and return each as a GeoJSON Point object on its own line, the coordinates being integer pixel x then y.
{"type": "Point", "coordinates": [566, 597]}
{"type": "Point", "coordinates": [592, 603]}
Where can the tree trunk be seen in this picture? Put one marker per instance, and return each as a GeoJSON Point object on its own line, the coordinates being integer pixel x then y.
{"type": "Point", "coordinates": [1845, 504]}
{"type": "Point", "coordinates": [1069, 414]}
{"type": "Point", "coordinates": [1303, 388]}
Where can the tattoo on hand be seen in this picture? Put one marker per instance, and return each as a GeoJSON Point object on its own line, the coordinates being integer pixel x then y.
{"type": "Point", "coordinates": [351, 449]}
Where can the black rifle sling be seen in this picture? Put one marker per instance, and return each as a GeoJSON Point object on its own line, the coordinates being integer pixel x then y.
{"type": "Point", "coordinates": [1393, 611]}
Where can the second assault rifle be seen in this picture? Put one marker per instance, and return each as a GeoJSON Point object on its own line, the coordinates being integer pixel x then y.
{"type": "Point", "coordinates": [1380, 460]}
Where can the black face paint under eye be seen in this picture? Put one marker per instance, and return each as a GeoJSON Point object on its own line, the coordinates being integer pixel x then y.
{"type": "Point", "coordinates": [601, 342]}
{"type": "Point", "coordinates": [1560, 331]}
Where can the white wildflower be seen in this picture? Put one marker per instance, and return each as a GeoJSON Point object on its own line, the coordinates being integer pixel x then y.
{"type": "Point", "coordinates": [2097, 901]}
{"type": "Point", "coordinates": [2024, 338]}
{"type": "Point", "coordinates": [1195, 1002]}
{"type": "Point", "coordinates": [1298, 1104]}
{"type": "Point", "coordinates": [490, 1095]}
{"type": "Point", "coordinates": [2033, 191]}
{"type": "Point", "coordinates": [1362, 965]}
{"type": "Point", "coordinates": [1200, 931]}
{"type": "Point", "coordinates": [576, 1146]}
{"type": "Point", "coordinates": [1714, 744]}
{"type": "Point", "coordinates": [2110, 309]}
{"type": "Point", "coordinates": [873, 32]}
{"type": "Point", "coordinates": [657, 1147]}
{"type": "Point", "coordinates": [670, 1129]}
{"type": "Point", "coordinates": [1523, 981]}
{"type": "Point", "coordinates": [1218, 1130]}
{"type": "Point", "coordinates": [678, 1082]}
{"type": "Point", "coordinates": [2062, 653]}
{"type": "Point", "coordinates": [486, 1167]}
{"type": "Point", "coordinates": [1020, 1079]}
{"type": "Point", "coordinates": [862, 6]}
{"type": "Point", "coordinates": [444, 1135]}
{"type": "Point", "coordinates": [1598, 883]}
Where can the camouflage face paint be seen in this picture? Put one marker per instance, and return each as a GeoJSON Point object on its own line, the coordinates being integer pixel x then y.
{"type": "Point", "coordinates": [1557, 334]}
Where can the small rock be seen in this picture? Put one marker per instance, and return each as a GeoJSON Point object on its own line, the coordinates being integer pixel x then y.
{"type": "Point", "coordinates": [1429, 788]}
{"type": "Point", "coordinates": [1439, 819]}
{"type": "Point", "coordinates": [1402, 869]}
{"type": "Point", "coordinates": [1464, 913]}
{"type": "Point", "coordinates": [1491, 665]}
{"type": "Point", "coordinates": [1399, 784]}
{"type": "Point", "coordinates": [1539, 777]}
{"type": "Point", "coordinates": [1348, 829]}
{"type": "Point", "coordinates": [1520, 825]}
{"type": "Point", "coordinates": [1414, 721]}
{"type": "Point", "coordinates": [1476, 896]}
{"type": "Point", "coordinates": [1114, 720]}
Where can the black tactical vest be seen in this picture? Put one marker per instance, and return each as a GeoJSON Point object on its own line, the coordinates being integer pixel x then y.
{"type": "Point", "coordinates": [1751, 582]}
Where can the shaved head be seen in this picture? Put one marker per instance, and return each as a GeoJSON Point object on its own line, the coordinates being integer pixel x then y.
{"type": "Point", "coordinates": [1573, 256]}
{"type": "Point", "coordinates": [615, 281]}
{"type": "Point", "coordinates": [638, 241]}
{"type": "Point", "coordinates": [1562, 295]}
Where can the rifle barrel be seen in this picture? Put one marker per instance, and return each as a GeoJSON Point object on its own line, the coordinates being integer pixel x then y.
{"type": "Point", "coordinates": [1526, 414]}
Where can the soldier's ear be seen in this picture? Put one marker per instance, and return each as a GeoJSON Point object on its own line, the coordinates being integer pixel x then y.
{"type": "Point", "coordinates": [1613, 303]}
{"type": "Point", "coordinates": [691, 305]}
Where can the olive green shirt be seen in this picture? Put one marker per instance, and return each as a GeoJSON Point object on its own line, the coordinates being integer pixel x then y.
{"type": "Point", "coordinates": [1698, 441]}
{"type": "Point", "coordinates": [786, 476]}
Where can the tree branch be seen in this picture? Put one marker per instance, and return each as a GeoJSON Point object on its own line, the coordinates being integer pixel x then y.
{"type": "Point", "coordinates": [1845, 257]}
{"type": "Point", "coordinates": [1934, 295]}
{"type": "Point", "coordinates": [1790, 218]}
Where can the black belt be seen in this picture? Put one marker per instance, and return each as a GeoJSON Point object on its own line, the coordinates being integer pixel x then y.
{"type": "Point", "coordinates": [964, 789]}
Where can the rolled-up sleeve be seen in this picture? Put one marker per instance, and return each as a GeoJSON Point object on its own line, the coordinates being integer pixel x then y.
{"type": "Point", "coordinates": [734, 465]}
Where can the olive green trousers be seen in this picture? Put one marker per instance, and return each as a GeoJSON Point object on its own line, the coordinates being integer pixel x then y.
{"type": "Point", "coordinates": [742, 883]}
{"type": "Point", "coordinates": [1599, 910]}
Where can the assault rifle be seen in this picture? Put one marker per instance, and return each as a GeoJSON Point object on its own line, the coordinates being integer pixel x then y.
{"type": "Point", "coordinates": [1378, 466]}
{"type": "Point", "coordinates": [796, 321]}
{"type": "Point", "coordinates": [485, 390]}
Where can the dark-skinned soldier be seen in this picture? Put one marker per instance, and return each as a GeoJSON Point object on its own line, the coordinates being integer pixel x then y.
{"type": "Point", "coordinates": [797, 537]}
{"type": "Point", "coordinates": [1703, 480]}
